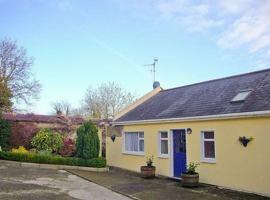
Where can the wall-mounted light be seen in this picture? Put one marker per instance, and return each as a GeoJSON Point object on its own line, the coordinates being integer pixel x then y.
{"type": "Point", "coordinates": [113, 137]}
{"type": "Point", "coordinates": [189, 130]}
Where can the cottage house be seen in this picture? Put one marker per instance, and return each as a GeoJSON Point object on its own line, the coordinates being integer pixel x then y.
{"type": "Point", "coordinates": [209, 122]}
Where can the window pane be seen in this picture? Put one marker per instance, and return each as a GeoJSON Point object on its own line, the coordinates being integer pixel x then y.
{"type": "Point", "coordinates": [131, 141]}
{"type": "Point", "coordinates": [209, 149]}
{"type": "Point", "coordinates": [163, 134]}
{"type": "Point", "coordinates": [141, 145]}
{"type": "Point", "coordinates": [241, 96]}
{"type": "Point", "coordinates": [208, 135]}
{"type": "Point", "coordinates": [164, 146]}
{"type": "Point", "coordinates": [141, 135]}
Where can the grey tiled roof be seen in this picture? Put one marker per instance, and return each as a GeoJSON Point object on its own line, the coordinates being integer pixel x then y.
{"type": "Point", "coordinates": [206, 98]}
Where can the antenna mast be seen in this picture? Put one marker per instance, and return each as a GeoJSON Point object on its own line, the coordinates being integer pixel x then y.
{"type": "Point", "coordinates": [153, 70]}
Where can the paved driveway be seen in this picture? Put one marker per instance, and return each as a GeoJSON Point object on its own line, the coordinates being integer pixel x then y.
{"type": "Point", "coordinates": [134, 186]}
{"type": "Point", "coordinates": [21, 183]}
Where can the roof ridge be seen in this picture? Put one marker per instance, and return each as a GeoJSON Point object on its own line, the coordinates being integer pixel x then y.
{"type": "Point", "coordinates": [217, 79]}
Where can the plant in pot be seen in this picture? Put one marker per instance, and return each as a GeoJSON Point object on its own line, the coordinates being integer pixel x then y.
{"type": "Point", "coordinates": [149, 170]}
{"type": "Point", "coordinates": [190, 178]}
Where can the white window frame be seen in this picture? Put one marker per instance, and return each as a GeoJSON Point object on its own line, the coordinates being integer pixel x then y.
{"type": "Point", "coordinates": [203, 158]}
{"type": "Point", "coordinates": [161, 155]}
{"type": "Point", "coordinates": [139, 139]}
{"type": "Point", "coordinates": [241, 96]}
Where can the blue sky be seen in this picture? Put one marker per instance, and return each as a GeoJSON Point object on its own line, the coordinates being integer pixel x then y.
{"type": "Point", "coordinates": [77, 44]}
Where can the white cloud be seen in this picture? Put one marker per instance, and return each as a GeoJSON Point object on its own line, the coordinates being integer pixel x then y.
{"type": "Point", "coordinates": [196, 17]}
{"type": "Point", "coordinates": [261, 43]}
{"type": "Point", "coordinates": [236, 23]}
{"type": "Point", "coordinates": [234, 6]}
{"type": "Point", "coordinates": [268, 53]}
{"type": "Point", "coordinates": [247, 29]}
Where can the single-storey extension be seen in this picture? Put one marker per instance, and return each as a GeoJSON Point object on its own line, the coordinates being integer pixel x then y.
{"type": "Point", "coordinates": [223, 124]}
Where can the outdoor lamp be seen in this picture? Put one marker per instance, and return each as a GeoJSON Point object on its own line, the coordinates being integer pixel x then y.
{"type": "Point", "coordinates": [113, 137]}
{"type": "Point", "coordinates": [189, 130]}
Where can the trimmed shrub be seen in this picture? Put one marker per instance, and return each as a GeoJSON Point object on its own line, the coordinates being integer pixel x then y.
{"type": "Point", "coordinates": [44, 153]}
{"type": "Point", "coordinates": [47, 140]}
{"type": "Point", "coordinates": [48, 159]}
{"type": "Point", "coordinates": [21, 149]}
{"type": "Point", "coordinates": [22, 134]}
{"type": "Point", "coordinates": [87, 143]}
{"type": "Point", "coordinates": [4, 133]}
{"type": "Point", "coordinates": [68, 148]}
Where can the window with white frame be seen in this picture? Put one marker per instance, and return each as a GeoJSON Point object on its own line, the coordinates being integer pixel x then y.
{"type": "Point", "coordinates": [208, 146]}
{"type": "Point", "coordinates": [163, 143]}
{"type": "Point", "coordinates": [134, 142]}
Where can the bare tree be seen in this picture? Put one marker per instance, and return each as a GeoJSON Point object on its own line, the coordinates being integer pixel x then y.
{"type": "Point", "coordinates": [106, 100]}
{"type": "Point", "coordinates": [62, 108]}
{"type": "Point", "coordinates": [15, 72]}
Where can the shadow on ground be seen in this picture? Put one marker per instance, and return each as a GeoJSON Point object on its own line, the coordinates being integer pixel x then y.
{"type": "Point", "coordinates": [25, 183]}
{"type": "Point", "coordinates": [132, 185]}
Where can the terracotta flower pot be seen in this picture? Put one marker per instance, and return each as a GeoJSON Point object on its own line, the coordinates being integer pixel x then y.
{"type": "Point", "coordinates": [148, 172]}
{"type": "Point", "coordinates": [190, 180]}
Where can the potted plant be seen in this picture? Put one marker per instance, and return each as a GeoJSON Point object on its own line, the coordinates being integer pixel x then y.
{"type": "Point", "coordinates": [149, 170]}
{"type": "Point", "coordinates": [190, 178]}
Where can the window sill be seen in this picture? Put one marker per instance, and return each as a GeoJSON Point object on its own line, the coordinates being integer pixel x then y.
{"type": "Point", "coordinates": [163, 156]}
{"type": "Point", "coordinates": [133, 153]}
{"type": "Point", "coordinates": [205, 160]}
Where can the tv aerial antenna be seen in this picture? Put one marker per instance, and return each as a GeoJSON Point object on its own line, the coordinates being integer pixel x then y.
{"type": "Point", "coordinates": [153, 69]}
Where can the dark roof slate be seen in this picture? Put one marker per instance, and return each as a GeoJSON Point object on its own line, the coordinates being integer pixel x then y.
{"type": "Point", "coordinates": [206, 98]}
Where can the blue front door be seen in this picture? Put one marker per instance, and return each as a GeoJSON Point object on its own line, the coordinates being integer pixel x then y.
{"type": "Point", "coordinates": [179, 152]}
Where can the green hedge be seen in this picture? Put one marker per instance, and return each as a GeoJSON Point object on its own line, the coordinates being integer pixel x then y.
{"type": "Point", "coordinates": [48, 159]}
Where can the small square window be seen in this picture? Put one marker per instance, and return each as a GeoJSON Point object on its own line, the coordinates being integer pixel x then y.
{"type": "Point", "coordinates": [134, 142]}
{"type": "Point", "coordinates": [208, 135]}
{"type": "Point", "coordinates": [163, 144]}
{"type": "Point", "coordinates": [209, 149]}
{"type": "Point", "coordinates": [164, 147]}
{"type": "Point", "coordinates": [208, 146]}
{"type": "Point", "coordinates": [141, 145]}
{"type": "Point", "coordinates": [164, 134]}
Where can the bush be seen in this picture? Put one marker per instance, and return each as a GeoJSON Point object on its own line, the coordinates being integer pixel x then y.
{"type": "Point", "coordinates": [4, 133]}
{"type": "Point", "coordinates": [48, 159]}
{"type": "Point", "coordinates": [21, 149]}
{"type": "Point", "coordinates": [47, 140]}
{"type": "Point", "coordinates": [44, 153]}
{"type": "Point", "coordinates": [87, 143]}
{"type": "Point", "coordinates": [22, 134]}
{"type": "Point", "coordinates": [68, 148]}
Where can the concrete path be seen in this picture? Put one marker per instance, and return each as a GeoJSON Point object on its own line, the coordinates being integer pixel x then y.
{"type": "Point", "coordinates": [134, 186]}
{"type": "Point", "coordinates": [21, 183]}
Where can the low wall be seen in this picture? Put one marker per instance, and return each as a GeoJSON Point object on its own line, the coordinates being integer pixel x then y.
{"type": "Point", "coordinates": [51, 166]}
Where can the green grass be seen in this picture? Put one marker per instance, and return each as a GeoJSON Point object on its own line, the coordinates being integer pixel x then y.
{"type": "Point", "coordinates": [49, 159]}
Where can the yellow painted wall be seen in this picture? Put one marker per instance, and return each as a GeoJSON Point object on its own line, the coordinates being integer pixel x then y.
{"type": "Point", "coordinates": [236, 167]}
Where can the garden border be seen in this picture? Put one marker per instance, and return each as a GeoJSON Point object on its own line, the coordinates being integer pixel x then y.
{"type": "Point", "coordinates": [52, 166]}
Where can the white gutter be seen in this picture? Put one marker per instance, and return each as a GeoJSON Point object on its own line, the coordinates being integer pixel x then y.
{"type": "Point", "coordinates": [197, 118]}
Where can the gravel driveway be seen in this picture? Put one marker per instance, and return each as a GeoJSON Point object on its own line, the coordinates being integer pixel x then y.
{"type": "Point", "coordinates": [30, 183]}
